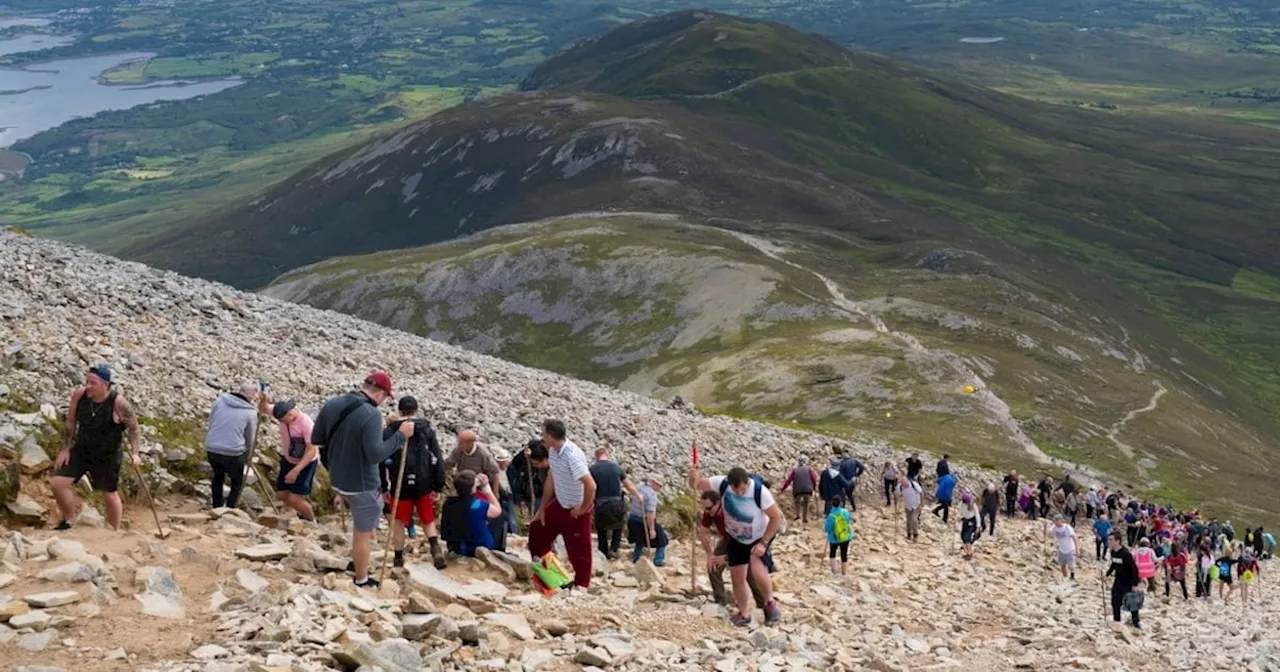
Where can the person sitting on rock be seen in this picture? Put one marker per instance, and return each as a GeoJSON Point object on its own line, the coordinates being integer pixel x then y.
{"type": "Point", "coordinates": [464, 518]}
{"type": "Point", "coordinates": [298, 456]}
{"type": "Point", "coordinates": [717, 558]}
{"type": "Point", "coordinates": [643, 530]}
{"type": "Point", "coordinates": [752, 519]}
{"type": "Point", "coordinates": [421, 485]}
{"type": "Point", "coordinates": [233, 422]}
{"type": "Point", "coordinates": [97, 419]}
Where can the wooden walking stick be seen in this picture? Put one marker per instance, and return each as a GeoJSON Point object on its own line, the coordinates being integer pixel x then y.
{"type": "Point", "coordinates": [159, 529]}
{"type": "Point", "coordinates": [693, 535]}
{"type": "Point", "coordinates": [262, 482]}
{"type": "Point", "coordinates": [395, 503]}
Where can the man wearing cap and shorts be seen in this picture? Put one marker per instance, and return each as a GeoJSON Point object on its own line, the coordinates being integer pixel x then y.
{"type": "Point", "coordinates": [349, 426]}
{"type": "Point", "coordinates": [298, 456]}
{"type": "Point", "coordinates": [421, 485]}
{"type": "Point", "coordinates": [97, 418]}
{"type": "Point", "coordinates": [567, 498]}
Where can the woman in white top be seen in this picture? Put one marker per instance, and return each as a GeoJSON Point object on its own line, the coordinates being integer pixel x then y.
{"type": "Point", "coordinates": [890, 482]}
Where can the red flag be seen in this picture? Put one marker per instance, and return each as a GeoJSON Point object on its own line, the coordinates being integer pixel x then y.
{"type": "Point", "coordinates": [695, 453]}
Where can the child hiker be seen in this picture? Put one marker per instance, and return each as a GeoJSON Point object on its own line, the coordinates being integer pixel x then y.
{"type": "Point", "coordinates": [839, 529]}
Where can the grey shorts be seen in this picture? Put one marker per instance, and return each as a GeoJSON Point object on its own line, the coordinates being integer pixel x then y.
{"type": "Point", "coordinates": [1066, 559]}
{"type": "Point", "coordinates": [366, 508]}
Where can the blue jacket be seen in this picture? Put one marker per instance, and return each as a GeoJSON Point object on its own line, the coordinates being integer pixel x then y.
{"type": "Point", "coordinates": [946, 486]}
{"type": "Point", "coordinates": [1102, 527]}
{"type": "Point", "coordinates": [851, 468]}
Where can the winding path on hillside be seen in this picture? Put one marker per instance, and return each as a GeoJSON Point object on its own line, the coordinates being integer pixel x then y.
{"type": "Point", "coordinates": [1114, 433]}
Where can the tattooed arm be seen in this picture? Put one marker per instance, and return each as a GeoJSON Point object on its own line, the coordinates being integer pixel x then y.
{"type": "Point", "coordinates": [125, 415]}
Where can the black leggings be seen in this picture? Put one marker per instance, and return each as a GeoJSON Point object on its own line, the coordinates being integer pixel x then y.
{"type": "Point", "coordinates": [1010, 504]}
{"type": "Point", "coordinates": [227, 467]}
{"type": "Point", "coordinates": [844, 551]}
{"type": "Point", "coordinates": [1100, 548]}
{"type": "Point", "coordinates": [1181, 582]}
{"type": "Point", "coordinates": [889, 485]}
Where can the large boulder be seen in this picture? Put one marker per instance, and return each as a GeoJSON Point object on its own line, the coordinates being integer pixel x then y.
{"type": "Point", "coordinates": [26, 511]}
{"type": "Point", "coordinates": [32, 457]}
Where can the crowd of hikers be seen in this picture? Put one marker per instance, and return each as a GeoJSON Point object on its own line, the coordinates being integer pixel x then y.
{"type": "Point", "coordinates": [467, 500]}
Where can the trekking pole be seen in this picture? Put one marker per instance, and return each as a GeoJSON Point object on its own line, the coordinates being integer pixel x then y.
{"type": "Point", "coordinates": [262, 482]}
{"type": "Point", "coordinates": [159, 529]}
{"type": "Point", "coordinates": [395, 504]}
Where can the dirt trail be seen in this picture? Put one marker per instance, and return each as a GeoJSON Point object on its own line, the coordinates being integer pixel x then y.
{"type": "Point", "coordinates": [1114, 433]}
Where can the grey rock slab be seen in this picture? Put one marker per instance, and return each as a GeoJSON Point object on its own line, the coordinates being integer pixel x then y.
{"type": "Point", "coordinates": [72, 572]}
{"type": "Point", "coordinates": [160, 606]}
{"type": "Point", "coordinates": [264, 552]}
{"type": "Point", "coordinates": [515, 623]}
{"type": "Point", "coordinates": [54, 599]}
{"type": "Point", "coordinates": [157, 580]}
{"type": "Point", "coordinates": [250, 581]}
{"type": "Point", "coordinates": [35, 642]}
{"type": "Point", "coordinates": [36, 620]}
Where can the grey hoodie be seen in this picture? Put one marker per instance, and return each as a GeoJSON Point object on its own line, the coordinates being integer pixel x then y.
{"type": "Point", "coordinates": [232, 423]}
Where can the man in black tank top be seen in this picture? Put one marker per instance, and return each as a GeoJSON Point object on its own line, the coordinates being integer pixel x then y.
{"type": "Point", "coordinates": [97, 418]}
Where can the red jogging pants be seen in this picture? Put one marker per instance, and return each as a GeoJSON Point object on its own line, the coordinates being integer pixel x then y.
{"type": "Point", "coordinates": [577, 539]}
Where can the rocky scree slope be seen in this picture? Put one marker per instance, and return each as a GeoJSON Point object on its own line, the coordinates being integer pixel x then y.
{"type": "Point", "coordinates": [816, 330]}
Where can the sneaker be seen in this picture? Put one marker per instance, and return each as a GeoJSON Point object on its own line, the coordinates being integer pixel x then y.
{"type": "Point", "coordinates": [63, 526]}
{"type": "Point", "coordinates": [369, 582]}
{"type": "Point", "coordinates": [398, 560]}
{"type": "Point", "coordinates": [772, 613]}
{"type": "Point", "coordinates": [740, 620]}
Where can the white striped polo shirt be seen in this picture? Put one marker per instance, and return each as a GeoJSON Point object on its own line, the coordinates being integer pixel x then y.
{"type": "Point", "coordinates": [568, 466]}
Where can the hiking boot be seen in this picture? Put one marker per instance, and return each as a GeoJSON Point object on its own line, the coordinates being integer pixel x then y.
{"type": "Point", "coordinates": [437, 558]}
{"type": "Point", "coordinates": [772, 613]}
{"type": "Point", "coordinates": [740, 620]}
{"type": "Point", "coordinates": [398, 559]}
{"type": "Point", "coordinates": [63, 526]}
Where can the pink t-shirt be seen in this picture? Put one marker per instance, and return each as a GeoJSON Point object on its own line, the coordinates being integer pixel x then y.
{"type": "Point", "coordinates": [300, 427]}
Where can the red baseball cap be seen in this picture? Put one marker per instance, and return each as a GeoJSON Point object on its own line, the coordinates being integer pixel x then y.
{"type": "Point", "coordinates": [380, 380]}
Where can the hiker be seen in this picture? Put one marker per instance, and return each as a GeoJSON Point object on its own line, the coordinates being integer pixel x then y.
{"type": "Point", "coordinates": [422, 484]}
{"type": "Point", "coordinates": [1226, 583]}
{"type": "Point", "coordinates": [946, 487]}
{"type": "Point", "coordinates": [830, 484]}
{"type": "Point", "coordinates": [567, 498]}
{"type": "Point", "coordinates": [987, 514]}
{"type": "Point", "coordinates": [1072, 506]}
{"type": "Point", "coordinates": [1126, 580]}
{"type": "Point", "coordinates": [914, 466]}
{"type": "Point", "coordinates": [233, 421]}
{"type": "Point", "coordinates": [1101, 531]}
{"type": "Point", "coordinates": [506, 494]}
{"type": "Point", "coordinates": [851, 468]}
{"type": "Point", "coordinates": [839, 529]}
{"type": "Point", "coordinates": [717, 555]}
{"type": "Point", "coordinates": [1011, 484]}
{"type": "Point", "coordinates": [1045, 489]}
{"type": "Point", "coordinates": [643, 530]}
{"type": "Point", "coordinates": [890, 477]}
{"type": "Point", "coordinates": [944, 466]}
{"type": "Point", "coordinates": [527, 480]}
{"type": "Point", "coordinates": [1175, 569]}
{"type": "Point", "coordinates": [349, 427]}
{"type": "Point", "coordinates": [968, 522]}
{"type": "Point", "coordinates": [1259, 542]}
{"type": "Point", "coordinates": [1065, 536]}
{"type": "Point", "coordinates": [467, 455]}
{"type": "Point", "coordinates": [1145, 556]}
{"type": "Point", "coordinates": [465, 517]}
{"type": "Point", "coordinates": [97, 418]}
{"type": "Point", "coordinates": [1269, 546]}
{"type": "Point", "coordinates": [912, 502]}
{"type": "Point", "coordinates": [610, 507]}
{"type": "Point", "coordinates": [1248, 570]}
{"type": "Point", "coordinates": [298, 456]}
{"type": "Point", "coordinates": [802, 480]}
{"type": "Point", "coordinates": [1204, 569]}
{"type": "Point", "coordinates": [752, 519]}
{"type": "Point", "coordinates": [1131, 527]}
{"type": "Point", "coordinates": [1092, 503]}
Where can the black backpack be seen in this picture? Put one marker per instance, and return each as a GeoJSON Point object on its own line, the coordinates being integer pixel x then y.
{"type": "Point", "coordinates": [418, 461]}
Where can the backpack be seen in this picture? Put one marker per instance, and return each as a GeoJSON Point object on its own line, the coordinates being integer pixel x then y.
{"type": "Point", "coordinates": [840, 528]}
{"type": "Point", "coordinates": [324, 444]}
{"type": "Point", "coordinates": [417, 461]}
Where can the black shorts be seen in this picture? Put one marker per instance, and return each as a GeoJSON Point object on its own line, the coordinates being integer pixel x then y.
{"type": "Point", "coordinates": [739, 553]}
{"type": "Point", "coordinates": [301, 486]}
{"type": "Point", "coordinates": [103, 470]}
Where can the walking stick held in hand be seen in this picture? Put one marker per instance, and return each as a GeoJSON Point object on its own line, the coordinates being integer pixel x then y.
{"type": "Point", "coordinates": [395, 503]}
{"type": "Point", "coordinates": [693, 536]}
{"type": "Point", "coordinates": [262, 481]}
{"type": "Point", "coordinates": [159, 529]}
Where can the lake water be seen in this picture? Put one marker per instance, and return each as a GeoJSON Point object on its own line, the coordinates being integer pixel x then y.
{"type": "Point", "coordinates": [32, 43]}
{"type": "Point", "coordinates": [981, 40]}
{"type": "Point", "coordinates": [41, 96]}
